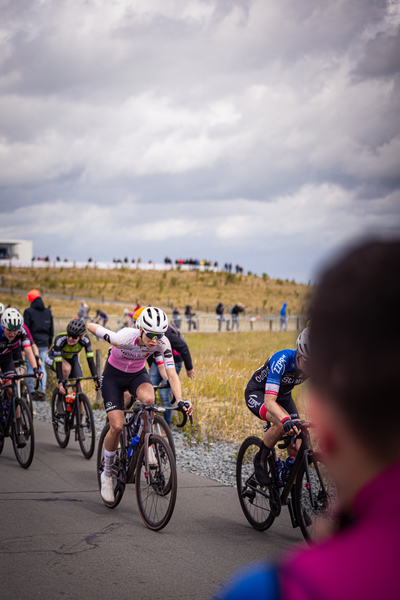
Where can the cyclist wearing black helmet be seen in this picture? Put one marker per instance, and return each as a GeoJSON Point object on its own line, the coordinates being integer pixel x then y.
{"type": "Point", "coordinates": [63, 356]}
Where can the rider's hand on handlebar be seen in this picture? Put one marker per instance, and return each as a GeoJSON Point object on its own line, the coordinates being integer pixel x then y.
{"type": "Point", "coordinates": [186, 406]}
{"type": "Point", "coordinates": [61, 388]}
{"type": "Point", "coordinates": [38, 374]}
{"type": "Point", "coordinates": [289, 426]}
{"type": "Point", "coordinates": [96, 383]}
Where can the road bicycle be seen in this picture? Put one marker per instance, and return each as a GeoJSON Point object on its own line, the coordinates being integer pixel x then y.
{"type": "Point", "coordinates": [309, 491]}
{"type": "Point", "coordinates": [150, 465]}
{"type": "Point", "coordinates": [23, 390]}
{"type": "Point", "coordinates": [18, 422]}
{"type": "Point", "coordinates": [73, 411]}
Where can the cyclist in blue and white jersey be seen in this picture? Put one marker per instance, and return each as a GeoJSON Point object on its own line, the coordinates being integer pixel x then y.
{"type": "Point", "coordinates": [125, 371]}
{"type": "Point", "coordinates": [268, 396]}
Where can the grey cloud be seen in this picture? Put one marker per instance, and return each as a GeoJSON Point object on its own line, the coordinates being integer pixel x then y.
{"type": "Point", "coordinates": [381, 58]}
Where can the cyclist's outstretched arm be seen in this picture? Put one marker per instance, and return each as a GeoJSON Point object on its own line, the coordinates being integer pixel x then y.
{"type": "Point", "coordinates": [163, 371]}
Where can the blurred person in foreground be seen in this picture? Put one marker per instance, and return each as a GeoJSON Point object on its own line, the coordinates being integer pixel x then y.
{"type": "Point", "coordinates": [354, 401]}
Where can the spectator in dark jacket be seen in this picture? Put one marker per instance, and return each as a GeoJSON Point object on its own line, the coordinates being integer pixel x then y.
{"type": "Point", "coordinates": [39, 321]}
{"type": "Point", "coordinates": [221, 319]}
{"type": "Point", "coordinates": [181, 354]}
{"type": "Point", "coordinates": [236, 310]}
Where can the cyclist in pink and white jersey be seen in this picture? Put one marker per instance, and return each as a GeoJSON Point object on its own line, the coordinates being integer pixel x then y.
{"type": "Point", "coordinates": [125, 371]}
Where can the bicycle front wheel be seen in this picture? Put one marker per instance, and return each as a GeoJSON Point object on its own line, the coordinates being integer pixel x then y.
{"type": "Point", "coordinates": [22, 434]}
{"type": "Point", "coordinates": [118, 471]}
{"type": "Point", "coordinates": [162, 429]}
{"type": "Point", "coordinates": [26, 394]}
{"type": "Point", "coordinates": [85, 423]}
{"type": "Point", "coordinates": [315, 492]}
{"type": "Point", "coordinates": [254, 498]}
{"type": "Point", "coordinates": [156, 489]}
{"type": "Point", "coordinates": [60, 419]}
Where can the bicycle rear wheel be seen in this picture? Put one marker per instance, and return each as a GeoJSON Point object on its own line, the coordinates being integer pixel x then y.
{"type": "Point", "coordinates": [86, 428]}
{"type": "Point", "coordinates": [314, 494]}
{"type": "Point", "coordinates": [156, 489]}
{"type": "Point", "coordinates": [118, 471]}
{"type": "Point", "coordinates": [1, 438]}
{"type": "Point", "coordinates": [60, 421]}
{"type": "Point", "coordinates": [22, 434]}
{"type": "Point", "coordinates": [26, 394]}
{"type": "Point", "coordinates": [160, 428]}
{"type": "Point", "coordinates": [254, 498]}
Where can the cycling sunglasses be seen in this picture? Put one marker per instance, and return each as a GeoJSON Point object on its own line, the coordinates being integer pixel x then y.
{"type": "Point", "coordinates": [151, 336]}
{"type": "Point", "coordinates": [12, 327]}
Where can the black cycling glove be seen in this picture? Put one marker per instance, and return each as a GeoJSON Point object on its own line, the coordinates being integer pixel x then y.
{"type": "Point", "coordinates": [288, 424]}
{"type": "Point", "coordinates": [182, 404]}
{"type": "Point", "coordinates": [36, 372]}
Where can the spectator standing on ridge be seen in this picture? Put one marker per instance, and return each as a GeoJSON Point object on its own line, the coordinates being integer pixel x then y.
{"type": "Point", "coordinates": [238, 308]}
{"type": "Point", "coordinates": [220, 316]}
{"type": "Point", "coordinates": [176, 315]}
{"type": "Point", "coordinates": [283, 317]}
{"type": "Point", "coordinates": [354, 371]}
{"type": "Point", "coordinates": [39, 321]}
{"type": "Point", "coordinates": [83, 311]}
{"type": "Point", "coordinates": [101, 317]}
{"type": "Point", "coordinates": [189, 314]}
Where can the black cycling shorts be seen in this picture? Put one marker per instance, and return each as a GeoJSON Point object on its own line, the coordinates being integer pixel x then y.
{"type": "Point", "coordinates": [7, 366]}
{"type": "Point", "coordinates": [115, 382]}
{"type": "Point", "coordinates": [76, 369]}
{"type": "Point", "coordinates": [255, 401]}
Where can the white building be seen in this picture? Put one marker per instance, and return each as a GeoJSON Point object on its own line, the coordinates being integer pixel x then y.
{"type": "Point", "coordinates": [19, 249]}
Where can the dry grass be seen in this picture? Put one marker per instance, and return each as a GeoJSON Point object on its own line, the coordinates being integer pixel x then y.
{"type": "Point", "coordinates": [224, 361]}
{"type": "Point", "coordinates": [164, 288]}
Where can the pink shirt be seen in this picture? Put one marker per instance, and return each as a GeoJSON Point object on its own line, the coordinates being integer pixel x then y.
{"type": "Point", "coordinates": [360, 562]}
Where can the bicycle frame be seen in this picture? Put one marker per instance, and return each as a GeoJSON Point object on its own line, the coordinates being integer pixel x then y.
{"type": "Point", "coordinates": [11, 417]}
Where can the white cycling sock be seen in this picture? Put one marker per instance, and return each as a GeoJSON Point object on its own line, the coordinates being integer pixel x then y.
{"type": "Point", "coordinates": [108, 462]}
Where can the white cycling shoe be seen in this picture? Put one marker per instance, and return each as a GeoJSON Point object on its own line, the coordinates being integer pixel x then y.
{"type": "Point", "coordinates": [107, 491]}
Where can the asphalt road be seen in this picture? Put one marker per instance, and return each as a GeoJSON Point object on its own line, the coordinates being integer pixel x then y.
{"type": "Point", "coordinates": [58, 540]}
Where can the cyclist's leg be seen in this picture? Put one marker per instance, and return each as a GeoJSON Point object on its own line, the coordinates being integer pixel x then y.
{"type": "Point", "coordinates": [43, 381]}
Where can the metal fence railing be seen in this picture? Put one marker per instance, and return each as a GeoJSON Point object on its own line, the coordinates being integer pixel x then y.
{"type": "Point", "coordinates": [208, 323]}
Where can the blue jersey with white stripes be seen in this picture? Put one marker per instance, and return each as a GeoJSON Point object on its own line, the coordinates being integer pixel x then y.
{"type": "Point", "coordinates": [279, 374]}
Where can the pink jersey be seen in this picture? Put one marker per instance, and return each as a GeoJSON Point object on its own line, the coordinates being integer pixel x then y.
{"type": "Point", "coordinates": [126, 355]}
{"type": "Point", "coordinates": [359, 562]}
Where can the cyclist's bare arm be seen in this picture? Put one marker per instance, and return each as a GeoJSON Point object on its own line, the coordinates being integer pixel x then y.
{"type": "Point", "coordinates": [163, 371]}
{"type": "Point", "coordinates": [175, 383]}
{"type": "Point", "coordinates": [277, 411]}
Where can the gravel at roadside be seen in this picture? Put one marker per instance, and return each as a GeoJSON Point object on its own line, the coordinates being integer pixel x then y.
{"type": "Point", "coordinates": [216, 461]}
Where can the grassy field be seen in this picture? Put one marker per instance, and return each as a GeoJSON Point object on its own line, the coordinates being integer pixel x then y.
{"type": "Point", "coordinates": [164, 288]}
{"type": "Point", "coordinates": [224, 361]}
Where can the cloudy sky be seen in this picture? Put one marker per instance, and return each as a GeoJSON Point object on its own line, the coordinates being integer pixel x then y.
{"type": "Point", "coordinates": [252, 131]}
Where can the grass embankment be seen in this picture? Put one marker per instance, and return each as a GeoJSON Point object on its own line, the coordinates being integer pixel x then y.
{"type": "Point", "coordinates": [224, 361]}
{"type": "Point", "coordinates": [164, 288]}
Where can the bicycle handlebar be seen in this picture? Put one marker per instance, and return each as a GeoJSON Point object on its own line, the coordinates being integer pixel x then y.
{"type": "Point", "coordinates": [165, 386]}
{"type": "Point", "coordinates": [287, 439]}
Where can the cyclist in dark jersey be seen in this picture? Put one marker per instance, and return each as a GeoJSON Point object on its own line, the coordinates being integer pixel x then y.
{"type": "Point", "coordinates": [63, 355]}
{"type": "Point", "coordinates": [353, 402]}
{"type": "Point", "coordinates": [12, 332]}
{"type": "Point", "coordinates": [268, 396]}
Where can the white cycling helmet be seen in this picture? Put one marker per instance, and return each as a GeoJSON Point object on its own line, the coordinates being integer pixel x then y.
{"type": "Point", "coordinates": [153, 320]}
{"type": "Point", "coordinates": [1, 308]}
{"type": "Point", "coordinates": [303, 344]}
{"type": "Point", "coordinates": [11, 319]}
